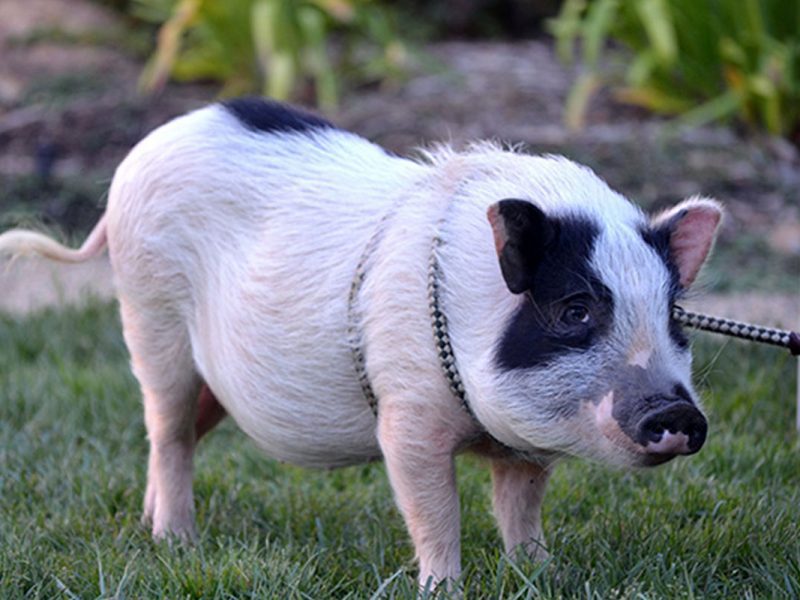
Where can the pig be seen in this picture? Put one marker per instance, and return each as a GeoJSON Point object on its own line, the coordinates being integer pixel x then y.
{"type": "Point", "coordinates": [281, 270]}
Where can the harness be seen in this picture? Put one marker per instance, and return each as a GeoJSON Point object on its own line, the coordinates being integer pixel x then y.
{"type": "Point", "coordinates": [441, 337]}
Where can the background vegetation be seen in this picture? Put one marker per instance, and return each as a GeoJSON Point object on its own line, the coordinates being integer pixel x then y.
{"type": "Point", "coordinates": [271, 46]}
{"type": "Point", "coordinates": [706, 60]}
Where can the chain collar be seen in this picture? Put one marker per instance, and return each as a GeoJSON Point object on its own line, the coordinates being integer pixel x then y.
{"type": "Point", "coordinates": [441, 336]}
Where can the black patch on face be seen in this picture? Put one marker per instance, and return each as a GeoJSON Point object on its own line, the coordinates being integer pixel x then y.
{"type": "Point", "coordinates": [566, 308]}
{"type": "Point", "coordinates": [658, 239]}
{"type": "Point", "coordinates": [269, 116]}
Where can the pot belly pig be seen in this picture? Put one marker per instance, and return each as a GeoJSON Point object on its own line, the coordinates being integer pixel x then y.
{"type": "Point", "coordinates": [344, 304]}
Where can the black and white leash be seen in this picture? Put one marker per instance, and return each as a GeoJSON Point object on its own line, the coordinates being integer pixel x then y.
{"type": "Point", "coordinates": [739, 329]}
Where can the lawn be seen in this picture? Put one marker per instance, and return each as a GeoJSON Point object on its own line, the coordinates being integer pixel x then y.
{"type": "Point", "coordinates": [722, 524]}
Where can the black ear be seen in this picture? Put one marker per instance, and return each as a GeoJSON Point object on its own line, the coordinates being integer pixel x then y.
{"type": "Point", "coordinates": [522, 232]}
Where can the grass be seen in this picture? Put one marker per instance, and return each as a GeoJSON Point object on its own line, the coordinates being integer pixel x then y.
{"type": "Point", "coordinates": [722, 524]}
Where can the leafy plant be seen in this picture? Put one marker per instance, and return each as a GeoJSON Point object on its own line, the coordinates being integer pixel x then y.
{"type": "Point", "coordinates": [706, 60]}
{"type": "Point", "coordinates": [269, 46]}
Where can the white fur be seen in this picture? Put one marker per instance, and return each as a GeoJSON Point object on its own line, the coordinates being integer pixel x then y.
{"type": "Point", "coordinates": [234, 252]}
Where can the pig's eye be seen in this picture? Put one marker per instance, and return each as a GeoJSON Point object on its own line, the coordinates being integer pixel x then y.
{"type": "Point", "coordinates": [576, 314]}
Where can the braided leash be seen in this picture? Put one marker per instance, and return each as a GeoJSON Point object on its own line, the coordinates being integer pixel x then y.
{"type": "Point", "coordinates": [745, 331]}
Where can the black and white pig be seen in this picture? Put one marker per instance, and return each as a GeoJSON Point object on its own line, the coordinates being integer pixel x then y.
{"type": "Point", "coordinates": [237, 234]}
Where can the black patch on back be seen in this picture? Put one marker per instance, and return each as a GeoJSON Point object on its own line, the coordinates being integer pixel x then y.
{"type": "Point", "coordinates": [658, 239]}
{"type": "Point", "coordinates": [536, 335]}
{"type": "Point", "coordinates": [269, 116]}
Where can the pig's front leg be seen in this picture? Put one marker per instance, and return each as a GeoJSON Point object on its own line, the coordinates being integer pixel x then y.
{"type": "Point", "coordinates": [419, 452]}
{"type": "Point", "coordinates": [518, 488]}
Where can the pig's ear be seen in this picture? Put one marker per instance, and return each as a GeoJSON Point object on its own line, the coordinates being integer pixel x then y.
{"type": "Point", "coordinates": [521, 234]}
{"type": "Point", "coordinates": [688, 230]}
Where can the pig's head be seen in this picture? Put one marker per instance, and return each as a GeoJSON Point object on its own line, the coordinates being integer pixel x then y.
{"type": "Point", "coordinates": [589, 362]}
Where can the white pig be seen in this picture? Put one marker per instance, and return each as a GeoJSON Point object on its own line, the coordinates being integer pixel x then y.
{"type": "Point", "coordinates": [261, 255]}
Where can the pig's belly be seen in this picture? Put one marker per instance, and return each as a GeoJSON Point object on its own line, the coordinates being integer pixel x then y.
{"type": "Point", "coordinates": [289, 380]}
{"type": "Point", "coordinates": [269, 327]}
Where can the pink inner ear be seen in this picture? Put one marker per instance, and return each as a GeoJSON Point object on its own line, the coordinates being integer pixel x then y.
{"type": "Point", "coordinates": [691, 241]}
{"type": "Point", "coordinates": [498, 227]}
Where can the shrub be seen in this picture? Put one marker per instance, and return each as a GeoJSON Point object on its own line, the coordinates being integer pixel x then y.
{"type": "Point", "coordinates": [707, 60]}
{"type": "Point", "coordinates": [269, 46]}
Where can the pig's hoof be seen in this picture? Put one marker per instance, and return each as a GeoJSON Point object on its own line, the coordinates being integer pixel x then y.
{"type": "Point", "coordinates": [538, 553]}
{"type": "Point", "coordinates": [184, 533]}
{"type": "Point", "coordinates": [149, 505]}
{"type": "Point", "coordinates": [533, 550]}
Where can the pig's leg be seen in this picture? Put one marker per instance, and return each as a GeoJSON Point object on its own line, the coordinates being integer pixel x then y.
{"type": "Point", "coordinates": [518, 488]}
{"type": "Point", "coordinates": [209, 413]}
{"type": "Point", "coordinates": [162, 362]}
{"type": "Point", "coordinates": [419, 460]}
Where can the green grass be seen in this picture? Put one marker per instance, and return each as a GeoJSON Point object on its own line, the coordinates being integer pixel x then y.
{"type": "Point", "coordinates": [722, 524]}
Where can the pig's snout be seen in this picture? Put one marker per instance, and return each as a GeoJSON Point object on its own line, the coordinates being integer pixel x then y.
{"type": "Point", "coordinates": [677, 427]}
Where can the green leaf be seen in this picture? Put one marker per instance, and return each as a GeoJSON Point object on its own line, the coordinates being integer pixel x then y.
{"type": "Point", "coordinates": [641, 69]}
{"type": "Point", "coordinates": [281, 75]}
{"type": "Point", "coordinates": [566, 27]}
{"type": "Point", "coordinates": [653, 98]}
{"type": "Point", "coordinates": [262, 15]}
{"type": "Point", "coordinates": [721, 107]}
{"type": "Point", "coordinates": [313, 28]}
{"type": "Point", "coordinates": [598, 25]}
{"type": "Point", "coordinates": [657, 22]}
{"type": "Point", "coordinates": [578, 100]}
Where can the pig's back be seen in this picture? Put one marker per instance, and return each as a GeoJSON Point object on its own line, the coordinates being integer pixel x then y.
{"type": "Point", "coordinates": [253, 237]}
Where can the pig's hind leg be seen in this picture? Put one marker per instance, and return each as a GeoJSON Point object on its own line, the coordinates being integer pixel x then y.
{"type": "Point", "coordinates": [517, 491]}
{"type": "Point", "coordinates": [162, 362]}
{"type": "Point", "coordinates": [209, 412]}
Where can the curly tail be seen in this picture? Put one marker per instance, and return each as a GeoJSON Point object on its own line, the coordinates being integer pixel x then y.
{"type": "Point", "coordinates": [21, 242]}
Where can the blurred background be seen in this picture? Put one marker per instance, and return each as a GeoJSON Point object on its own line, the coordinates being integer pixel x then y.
{"type": "Point", "coordinates": [663, 98]}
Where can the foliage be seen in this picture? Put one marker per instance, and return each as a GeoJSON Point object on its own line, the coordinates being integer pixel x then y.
{"type": "Point", "coordinates": [707, 60]}
{"type": "Point", "coordinates": [721, 524]}
{"type": "Point", "coordinates": [267, 45]}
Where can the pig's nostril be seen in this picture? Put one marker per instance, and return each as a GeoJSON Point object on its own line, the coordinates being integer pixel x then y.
{"type": "Point", "coordinates": [654, 432]}
{"type": "Point", "coordinates": [678, 428]}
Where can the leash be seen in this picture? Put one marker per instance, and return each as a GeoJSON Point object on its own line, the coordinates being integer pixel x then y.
{"type": "Point", "coordinates": [745, 331]}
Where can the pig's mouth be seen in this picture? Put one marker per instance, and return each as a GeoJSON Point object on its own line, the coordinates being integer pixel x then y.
{"type": "Point", "coordinates": [654, 460]}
